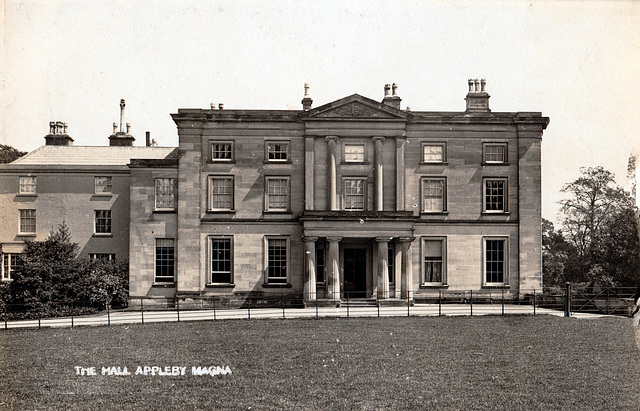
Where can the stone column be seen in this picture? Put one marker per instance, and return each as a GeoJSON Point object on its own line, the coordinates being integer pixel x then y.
{"type": "Point", "coordinates": [406, 274]}
{"type": "Point", "coordinates": [333, 268]}
{"type": "Point", "coordinates": [400, 143]}
{"type": "Point", "coordinates": [333, 175]}
{"type": "Point", "coordinates": [378, 173]}
{"type": "Point", "coordinates": [309, 164]}
{"type": "Point", "coordinates": [310, 268]}
{"type": "Point", "coordinates": [383, 267]}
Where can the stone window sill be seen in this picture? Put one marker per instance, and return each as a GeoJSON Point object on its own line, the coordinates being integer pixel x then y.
{"type": "Point", "coordinates": [284, 285]}
{"type": "Point", "coordinates": [220, 285]}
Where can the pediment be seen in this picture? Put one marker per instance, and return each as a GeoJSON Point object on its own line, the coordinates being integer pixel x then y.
{"type": "Point", "coordinates": [356, 107]}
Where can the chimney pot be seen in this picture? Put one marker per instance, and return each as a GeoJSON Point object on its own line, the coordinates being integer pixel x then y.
{"type": "Point", "coordinates": [387, 90]}
{"type": "Point", "coordinates": [115, 127]}
{"type": "Point", "coordinates": [477, 85]}
{"type": "Point", "coordinates": [395, 89]}
{"type": "Point", "coordinates": [121, 113]}
{"type": "Point", "coordinates": [213, 106]}
{"type": "Point", "coordinates": [128, 127]}
{"type": "Point", "coordinates": [470, 85]}
{"type": "Point", "coordinates": [220, 106]}
{"type": "Point", "coordinates": [483, 84]}
{"type": "Point", "coordinates": [306, 89]}
{"type": "Point", "coordinates": [306, 100]}
{"type": "Point", "coordinates": [64, 128]}
{"type": "Point", "coordinates": [148, 141]}
{"type": "Point", "coordinates": [52, 127]}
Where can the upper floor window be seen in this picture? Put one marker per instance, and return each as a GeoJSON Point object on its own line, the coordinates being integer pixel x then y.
{"type": "Point", "coordinates": [165, 260]}
{"type": "Point", "coordinates": [27, 185]}
{"type": "Point", "coordinates": [494, 153]}
{"type": "Point", "coordinates": [221, 193]}
{"type": "Point", "coordinates": [103, 221]}
{"type": "Point", "coordinates": [27, 222]}
{"type": "Point", "coordinates": [102, 185]}
{"type": "Point", "coordinates": [434, 267]}
{"type": "Point", "coordinates": [434, 153]}
{"type": "Point", "coordinates": [277, 150]}
{"type": "Point", "coordinates": [354, 153]}
{"type": "Point", "coordinates": [165, 194]}
{"type": "Point", "coordinates": [495, 261]}
{"type": "Point", "coordinates": [10, 263]}
{"type": "Point", "coordinates": [354, 194]}
{"type": "Point", "coordinates": [495, 195]}
{"type": "Point", "coordinates": [277, 194]}
{"type": "Point", "coordinates": [434, 195]}
{"type": "Point", "coordinates": [222, 151]}
{"type": "Point", "coordinates": [221, 260]}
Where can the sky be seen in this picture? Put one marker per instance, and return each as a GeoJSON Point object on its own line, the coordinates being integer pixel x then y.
{"type": "Point", "coordinates": [577, 62]}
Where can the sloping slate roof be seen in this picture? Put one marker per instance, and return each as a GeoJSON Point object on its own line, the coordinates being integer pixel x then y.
{"type": "Point", "coordinates": [93, 156]}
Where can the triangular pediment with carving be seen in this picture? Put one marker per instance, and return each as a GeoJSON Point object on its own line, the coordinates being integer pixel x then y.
{"type": "Point", "coordinates": [356, 107]}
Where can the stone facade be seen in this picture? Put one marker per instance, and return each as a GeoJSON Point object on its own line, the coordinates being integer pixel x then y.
{"type": "Point", "coordinates": [352, 199]}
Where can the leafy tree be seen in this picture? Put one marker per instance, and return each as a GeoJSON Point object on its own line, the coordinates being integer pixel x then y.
{"type": "Point", "coordinates": [8, 153]}
{"type": "Point", "coordinates": [598, 221]}
{"type": "Point", "coordinates": [558, 256]}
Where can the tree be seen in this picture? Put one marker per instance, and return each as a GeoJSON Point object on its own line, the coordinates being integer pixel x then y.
{"type": "Point", "coordinates": [558, 256]}
{"type": "Point", "coordinates": [594, 209]}
{"type": "Point", "coordinates": [8, 153]}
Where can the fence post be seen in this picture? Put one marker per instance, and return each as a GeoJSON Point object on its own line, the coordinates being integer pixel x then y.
{"type": "Point", "coordinates": [471, 301]}
{"type": "Point", "coordinates": [142, 310]}
{"type": "Point", "coordinates": [283, 306]}
{"type": "Point", "coordinates": [39, 327]}
{"type": "Point", "coordinates": [567, 301]}
{"type": "Point", "coordinates": [502, 291]}
{"type": "Point", "coordinates": [214, 308]}
{"type": "Point", "coordinates": [5, 316]}
{"type": "Point", "coordinates": [408, 304]}
{"type": "Point", "coordinates": [248, 308]}
{"type": "Point", "coordinates": [439, 303]}
{"type": "Point", "coordinates": [108, 314]}
{"type": "Point", "coordinates": [534, 301]}
{"type": "Point", "coordinates": [71, 314]}
{"type": "Point", "coordinates": [378, 305]}
{"type": "Point", "coordinates": [316, 305]}
{"type": "Point", "coordinates": [608, 301]}
{"type": "Point", "coordinates": [178, 308]}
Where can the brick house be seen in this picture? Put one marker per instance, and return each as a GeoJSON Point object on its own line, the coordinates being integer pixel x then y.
{"type": "Point", "coordinates": [355, 198]}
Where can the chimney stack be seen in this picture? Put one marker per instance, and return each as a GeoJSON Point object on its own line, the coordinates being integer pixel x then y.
{"type": "Point", "coordinates": [477, 97]}
{"type": "Point", "coordinates": [391, 100]}
{"type": "Point", "coordinates": [148, 140]}
{"type": "Point", "coordinates": [121, 138]}
{"type": "Point", "coordinates": [58, 134]}
{"type": "Point", "coordinates": [306, 100]}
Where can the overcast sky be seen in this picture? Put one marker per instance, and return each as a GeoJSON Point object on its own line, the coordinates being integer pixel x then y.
{"type": "Point", "coordinates": [576, 62]}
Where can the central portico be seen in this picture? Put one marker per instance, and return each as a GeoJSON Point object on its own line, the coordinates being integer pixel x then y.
{"type": "Point", "coordinates": [357, 254]}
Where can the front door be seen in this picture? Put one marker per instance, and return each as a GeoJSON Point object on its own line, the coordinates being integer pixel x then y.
{"type": "Point", "coordinates": [355, 272]}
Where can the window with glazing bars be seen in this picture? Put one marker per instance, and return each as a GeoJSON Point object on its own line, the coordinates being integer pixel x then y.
{"type": "Point", "coordinates": [221, 260]}
{"type": "Point", "coordinates": [165, 260]}
{"type": "Point", "coordinates": [102, 185]}
{"type": "Point", "coordinates": [277, 261]}
{"type": "Point", "coordinates": [354, 194]}
{"type": "Point", "coordinates": [222, 151]}
{"type": "Point", "coordinates": [165, 194]}
{"type": "Point", "coordinates": [103, 222]}
{"type": "Point", "coordinates": [495, 195]}
{"type": "Point", "coordinates": [28, 221]}
{"type": "Point", "coordinates": [433, 262]}
{"type": "Point", "coordinates": [277, 193]}
{"type": "Point", "coordinates": [221, 193]}
{"type": "Point", "coordinates": [433, 194]}
{"type": "Point", "coordinates": [277, 151]}
{"type": "Point", "coordinates": [27, 185]}
{"type": "Point", "coordinates": [494, 261]}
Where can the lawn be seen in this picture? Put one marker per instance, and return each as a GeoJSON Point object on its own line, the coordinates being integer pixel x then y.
{"type": "Point", "coordinates": [517, 362]}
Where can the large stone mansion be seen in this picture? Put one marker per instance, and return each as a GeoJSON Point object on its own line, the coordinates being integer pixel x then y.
{"type": "Point", "coordinates": [352, 199]}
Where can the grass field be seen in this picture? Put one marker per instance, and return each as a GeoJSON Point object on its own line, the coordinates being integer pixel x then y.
{"type": "Point", "coordinates": [517, 362]}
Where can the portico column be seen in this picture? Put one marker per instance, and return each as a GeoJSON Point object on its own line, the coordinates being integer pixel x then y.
{"type": "Point", "coordinates": [383, 267]}
{"type": "Point", "coordinates": [378, 172]}
{"type": "Point", "coordinates": [406, 275]}
{"type": "Point", "coordinates": [333, 201]}
{"type": "Point", "coordinates": [310, 268]}
{"type": "Point", "coordinates": [333, 268]}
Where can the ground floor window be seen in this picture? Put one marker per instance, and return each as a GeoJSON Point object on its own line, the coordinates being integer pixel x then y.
{"type": "Point", "coordinates": [103, 256]}
{"type": "Point", "coordinates": [495, 261]}
{"type": "Point", "coordinates": [10, 263]}
{"type": "Point", "coordinates": [165, 260]}
{"type": "Point", "coordinates": [320, 265]}
{"type": "Point", "coordinates": [391, 263]}
{"type": "Point", "coordinates": [221, 260]}
{"type": "Point", "coordinates": [277, 260]}
{"type": "Point", "coordinates": [433, 256]}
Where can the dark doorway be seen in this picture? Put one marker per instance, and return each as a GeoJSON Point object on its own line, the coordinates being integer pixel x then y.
{"type": "Point", "coordinates": [355, 272]}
